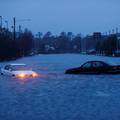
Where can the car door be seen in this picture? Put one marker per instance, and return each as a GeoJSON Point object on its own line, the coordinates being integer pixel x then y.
{"type": "Point", "coordinates": [87, 68]}
{"type": "Point", "coordinates": [99, 67]}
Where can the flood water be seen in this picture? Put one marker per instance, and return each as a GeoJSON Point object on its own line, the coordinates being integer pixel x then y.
{"type": "Point", "coordinates": [56, 96]}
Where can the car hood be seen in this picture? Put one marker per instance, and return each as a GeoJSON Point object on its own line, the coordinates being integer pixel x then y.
{"type": "Point", "coordinates": [27, 72]}
{"type": "Point", "coordinates": [72, 70]}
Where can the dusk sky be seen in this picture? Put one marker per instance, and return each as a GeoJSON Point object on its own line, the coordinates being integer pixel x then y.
{"type": "Point", "coordinates": [78, 16]}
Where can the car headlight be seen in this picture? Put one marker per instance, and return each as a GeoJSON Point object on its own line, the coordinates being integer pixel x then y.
{"type": "Point", "coordinates": [34, 74]}
{"type": "Point", "coordinates": [22, 75]}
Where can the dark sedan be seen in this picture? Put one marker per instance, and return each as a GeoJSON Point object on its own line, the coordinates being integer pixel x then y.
{"type": "Point", "coordinates": [95, 67]}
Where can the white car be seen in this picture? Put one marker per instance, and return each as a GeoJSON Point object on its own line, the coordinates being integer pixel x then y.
{"type": "Point", "coordinates": [18, 70]}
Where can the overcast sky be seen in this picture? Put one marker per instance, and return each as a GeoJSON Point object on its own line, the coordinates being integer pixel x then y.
{"type": "Point", "coordinates": [78, 16]}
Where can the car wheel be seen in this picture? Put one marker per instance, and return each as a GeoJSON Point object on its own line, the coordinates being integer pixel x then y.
{"type": "Point", "coordinates": [1, 73]}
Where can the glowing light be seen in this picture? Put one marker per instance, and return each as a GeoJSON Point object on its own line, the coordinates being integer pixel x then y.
{"type": "Point", "coordinates": [35, 75]}
{"type": "Point", "coordinates": [22, 75]}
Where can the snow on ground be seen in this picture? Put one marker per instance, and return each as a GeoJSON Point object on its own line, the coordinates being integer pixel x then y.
{"type": "Point", "coordinates": [56, 96]}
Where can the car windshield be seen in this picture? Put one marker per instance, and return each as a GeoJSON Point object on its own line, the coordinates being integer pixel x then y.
{"type": "Point", "coordinates": [87, 65]}
{"type": "Point", "coordinates": [19, 67]}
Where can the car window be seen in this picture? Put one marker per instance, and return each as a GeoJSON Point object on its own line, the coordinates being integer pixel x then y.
{"type": "Point", "coordinates": [98, 64]}
{"type": "Point", "coordinates": [7, 67]}
{"type": "Point", "coordinates": [87, 65]}
{"type": "Point", "coordinates": [20, 67]}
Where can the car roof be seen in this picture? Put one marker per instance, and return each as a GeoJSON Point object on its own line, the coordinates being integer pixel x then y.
{"type": "Point", "coordinates": [102, 61]}
{"type": "Point", "coordinates": [96, 61]}
{"type": "Point", "coordinates": [111, 63]}
{"type": "Point", "coordinates": [14, 64]}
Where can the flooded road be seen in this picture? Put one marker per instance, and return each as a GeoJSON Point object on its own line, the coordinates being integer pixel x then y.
{"type": "Point", "coordinates": [56, 96]}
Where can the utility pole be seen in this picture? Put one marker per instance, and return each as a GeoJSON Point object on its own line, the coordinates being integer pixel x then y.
{"type": "Point", "coordinates": [14, 30]}
{"type": "Point", "coordinates": [39, 34]}
{"type": "Point", "coordinates": [116, 30]}
{"type": "Point", "coordinates": [1, 23]}
{"type": "Point", "coordinates": [20, 29]}
{"type": "Point", "coordinates": [117, 39]}
{"type": "Point", "coordinates": [112, 31]}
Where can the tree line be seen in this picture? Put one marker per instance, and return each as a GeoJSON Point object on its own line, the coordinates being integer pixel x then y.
{"type": "Point", "coordinates": [108, 46]}
{"type": "Point", "coordinates": [25, 44]}
{"type": "Point", "coordinates": [11, 48]}
{"type": "Point", "coordinates": [63, 43]}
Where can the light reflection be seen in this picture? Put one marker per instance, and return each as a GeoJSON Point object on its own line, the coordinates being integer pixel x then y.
{"type": "Point", "coordinates": [23, 76]}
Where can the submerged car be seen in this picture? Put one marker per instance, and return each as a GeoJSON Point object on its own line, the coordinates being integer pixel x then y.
{"type": "Point", "coordinates": [18, 70]}
{"type": "Point", "coordinates": [95, 67]}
